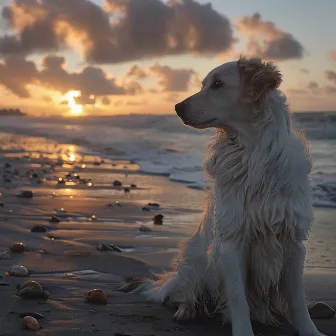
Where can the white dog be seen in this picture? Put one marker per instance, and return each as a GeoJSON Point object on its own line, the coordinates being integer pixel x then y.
{"type": "Point", "coordinates": [246, 259]}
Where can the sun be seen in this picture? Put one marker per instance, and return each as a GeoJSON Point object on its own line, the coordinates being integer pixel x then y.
{"type": "Point", "coordinates": [75, 109]}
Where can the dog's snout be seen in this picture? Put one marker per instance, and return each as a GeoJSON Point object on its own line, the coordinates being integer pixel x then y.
{"type": "Point", "coordinates": [180, 108]}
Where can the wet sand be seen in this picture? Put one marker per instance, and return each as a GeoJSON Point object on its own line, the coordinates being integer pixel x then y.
{"type": "Point", "coordinates": [66, 262]}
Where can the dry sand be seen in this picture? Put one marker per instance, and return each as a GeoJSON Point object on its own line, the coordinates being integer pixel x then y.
{"type": "Point", "coordinates": [65, 261]}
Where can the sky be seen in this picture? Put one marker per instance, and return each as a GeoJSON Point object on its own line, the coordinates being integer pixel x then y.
{"type": "Point", "coordinates": [87, 57]}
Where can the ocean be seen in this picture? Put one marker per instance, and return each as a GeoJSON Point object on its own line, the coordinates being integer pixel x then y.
{"type": "Point", "coordinates": [162, 145]}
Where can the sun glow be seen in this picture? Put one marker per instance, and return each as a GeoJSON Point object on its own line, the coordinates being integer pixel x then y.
{"type": "Point", "coordinates": [75, 109]}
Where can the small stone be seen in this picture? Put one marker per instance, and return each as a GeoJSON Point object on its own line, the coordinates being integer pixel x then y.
{"type": "Point", "coordinates": [158, 219]}
{"type": "Point", "coordinates": [108, 247]}
{"type": "Point", "coordinates": [133, 186]}
{"type": "Point", "coordinates": [321, 310]}
{"type": "Point", "coordinates": [31, 284]}
{"type": "Point", "coordinates": [155, 205]}
{"type": "Point", "coordinates": [4, 284]}
{"type": "Point", "coordinates": [127, 190]}
{"type": "Point", "coordinates": [117, 183]}
{"type": "Point", "coordinates": [38, 228]}
{"type": "Point", "coordinates": [1, 204]}
{"type": "Point", "coordinates": [5, 256]}
{"type": "Point", "coordinates": [54, 219]}
{"type": "Point", "coordinates": [145, 209]}
{"type": "Point", "coordinates": [37, 316]}
{"type": "Point", "coordinates": [17, 247]}
{"type": "Point", "coordinates": [110, 205]}
{"type": "Point", "coordinates": [31, 323]}
{"type": "Point", "coordinates": [18, 271]}
{"type": "Point", "coordinates": [144, 228]}
{"type": "Point", "coordinates": [97, 296]}
{"type": "Point", "coordinates": [26, 194]}
{"type": "Point", "coordinates": [33, 293]}
{"type": "Point", "coordinates": [118, 203]}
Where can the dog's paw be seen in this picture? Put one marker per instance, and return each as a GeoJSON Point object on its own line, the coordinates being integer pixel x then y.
{"type": "Point", "coordinates": [133, 285]}
{"type": "Point", "coordinates": [185, 313]}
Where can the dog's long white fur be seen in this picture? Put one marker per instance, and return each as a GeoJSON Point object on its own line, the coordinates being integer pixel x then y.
{"type": "Point", "coordinates": [246, 258]}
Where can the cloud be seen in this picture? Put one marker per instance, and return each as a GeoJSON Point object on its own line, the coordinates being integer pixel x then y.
{"type": "Point", "coordinates": [124, 30]}
{"type": "Point", "coordinates": [105, 100]}
{"type": "Point", "coordinates": [268, 41]}
{"type": "Point", "coordinates": [170, 79]}
{"type": "Point", "coordinates": [330, 75]}
{"type": "Point", "coordinates": [333, 55]}
{"type": "Point", "coordinates": [312, 85]}
{"type": "Point", "coordinates": [291, 92]}
{"type": "Point", "coordinates": [16, 73]}
{"type": "Point", "coordinates": [305, 71]}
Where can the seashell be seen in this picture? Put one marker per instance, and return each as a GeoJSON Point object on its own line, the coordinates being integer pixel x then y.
{"type": "Point", "coordinates": [321, 310]}
{"type": "Point", "coordinates": [36, 316]}
{"type": "Point", "coordinates": [33, 293]}
{"type": "Point", "coordinates": [32, 284]}
{"type": "Point", "coordinates": [17, 247]}
{"type": "Point", "coordinates": [5, 256]}
{"type": "Point", "coordinates": [31, 323]}
{"type": "Point", "coordinates": [19, 271]}
{"type": "Point", "coordinates": [96, 296]}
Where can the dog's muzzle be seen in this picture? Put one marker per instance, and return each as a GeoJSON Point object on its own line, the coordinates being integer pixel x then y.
{"type": "Point", "coordinates": [180, 109]}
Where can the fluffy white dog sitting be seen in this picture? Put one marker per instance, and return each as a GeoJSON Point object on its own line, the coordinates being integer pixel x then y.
{"type": "Point", "coordinates": [246, 259]}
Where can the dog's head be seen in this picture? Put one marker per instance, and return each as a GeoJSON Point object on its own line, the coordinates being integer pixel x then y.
{"type": "Point", "coordinates": [228, 92]}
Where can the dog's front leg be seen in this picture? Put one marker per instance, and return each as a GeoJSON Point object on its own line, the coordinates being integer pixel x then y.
{"type": "Point", "coordinates": [230, 262]}
{"type": "Point", "coordinates": [294, 291]}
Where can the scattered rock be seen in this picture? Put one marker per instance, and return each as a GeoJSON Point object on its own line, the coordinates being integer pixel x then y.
{"type": "Point", "coordinates": [118, 203]}
{"type": "Point", "coordinates": [158, 219]}
{"type": "Point", "coordinates": [96, 163]}
{"type": "Point", "coordinates": [54, 219]}
{"type": "Point", "coordinates": [1, 204]}
{"type": "Point", "coordinates": [133, 186]}
{"type": "Point", "coordinates": [127, 190]}
{"type": "Point", "coordinates": [38, 228]}
{"type": "Point", "coordinates": [108, 247]}
{"type": "Point", "coordinates": [321, 310]}
{"type": "Point", "coordinates": [18, 271]}
{"type": "Point", "coordinates": [4, 284]}
{"type": "Point", "coordinates": [17, 247]}
{"type": "Point", "coordinates": [5, 256]}
{"type": "Point", "coordinates": [26, 194]}
{"type": "Point", "coordinates": [117, 183]}
{"type": "Point", "coordinates": [145, 209]}
{"type": "Point", "coordinates": [31, 284]}
{"type": "Point", "coordinates": [31, 323]}
{"type": "Point", "coordinates": [110, 205]}
{"type": "Point", "coordinates": [37, 316]}
{"type": "Point", "coordinates": [144, 228]}
{"type": "Point", "coordinates": [97, 296]}
{"type": "Point", "coordinates": [155, 205]}
{"type": "Point", "coordinates": [33, 293]}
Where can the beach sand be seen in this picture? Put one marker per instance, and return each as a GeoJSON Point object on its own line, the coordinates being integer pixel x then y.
{"type": "Point", "coordinates": [66, 262]}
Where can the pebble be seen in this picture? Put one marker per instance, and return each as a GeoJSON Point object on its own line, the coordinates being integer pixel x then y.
{"type": "Point", "coordinates": [31, 284]}
{"type": "Point", "coordinates": [145, 209]}
{"type": "Point", "coordinates": [321, 310]}
{"type": "Point", "coordinates": [133, 186]}
{"type": "Point", "coordinates": [19, 271]}
{"type": "Point", "coordinates": [158, 219]}
{"type": "Point", "coordinates": [5, 256]}
{"type": "Point", "coordinates": [1, 204]}
{"type": "Point", "coordinates": [97, 296]}
{"type": "Point", "coordinates": [54, 219]}
{"type": "Point", "coordinates": [108, 247]}
{"type": "Point", "coordinates": [38, 228]}
{"type": "Point", "coordinates": [127, 190]}
{"type": "Point", "coordinates": [33, 293]}
{"type": "Point", "coordinates": [26, 194]}
{"type": "Point", "coordinates": [17, 247]}
{"type": "Point", "coordinates": [117, 183]}
{"type": "Point", "coordinates": [155, 205]}
{"type": "Point", "coordinates": [144, 228]}
{"type": "Point", "coordinates": [37, 316]}
{"type": "Point", "coordinates": [31, 323]}
{"type": "Point", "coordinates": [4, 284]}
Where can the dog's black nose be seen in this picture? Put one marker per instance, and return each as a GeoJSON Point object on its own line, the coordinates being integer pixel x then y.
{"type": "Point", "coordinates": [180, 108]}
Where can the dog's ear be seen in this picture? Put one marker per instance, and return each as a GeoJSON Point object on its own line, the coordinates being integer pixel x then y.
{"type": "Point", "coordinates": [257, 78]}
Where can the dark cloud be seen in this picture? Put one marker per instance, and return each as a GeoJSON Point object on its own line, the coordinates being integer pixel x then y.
{"type": "Point", "coordinates": [170, 79]}
{"type": "Point", "coordinates": [126, 30]}
{"type": "Point", "coordinates": [16, 73]}
{"type": "Point", "coordinates": [330, 75]}
{"type": "Point", "coordinates": [105, 100]}
{"type": "Point", "coordinates": [266, 40]}
{"type": "Point", "coordinates": [312, 85]}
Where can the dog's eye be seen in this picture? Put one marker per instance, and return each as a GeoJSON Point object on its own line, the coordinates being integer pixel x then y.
{"type": "Point", "coordinates": [217, 84]}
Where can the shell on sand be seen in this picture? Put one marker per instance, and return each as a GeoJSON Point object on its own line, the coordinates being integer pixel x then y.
{"type": "Point", "coordinates": [5, 256]}
{"type": "Point", "coordinates": [19, 271]}
{"type": "Point", "coordinates": [96, 296]}
{"type": "Point", "coordinates": [31, 284]}
{"type": "Point", "coordinates": [31, 323]}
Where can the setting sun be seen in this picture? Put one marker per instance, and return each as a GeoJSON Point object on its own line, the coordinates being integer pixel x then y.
{"type": "Point", "coordinates": [75, 109]}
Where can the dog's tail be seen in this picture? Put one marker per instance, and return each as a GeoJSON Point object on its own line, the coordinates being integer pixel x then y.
{"type": "Point", "coordinates": [155, 290]}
